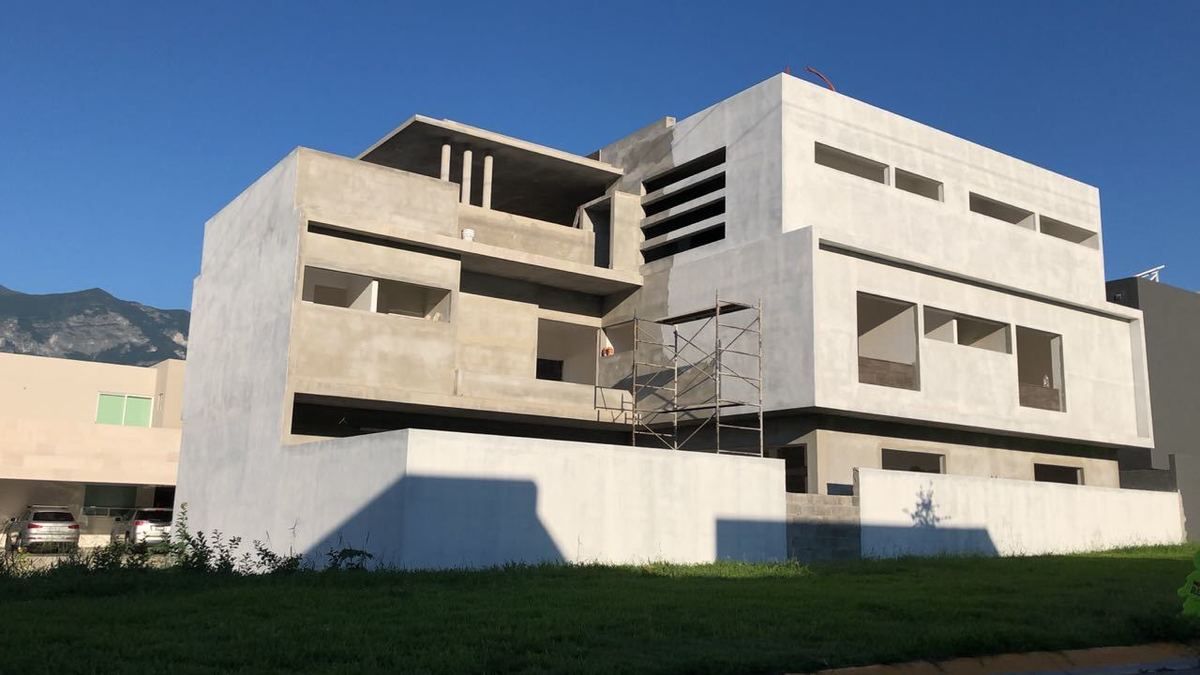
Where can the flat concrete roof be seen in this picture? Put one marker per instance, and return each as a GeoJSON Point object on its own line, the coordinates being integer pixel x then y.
{"type": "Point", "coordinates": [528, 179]}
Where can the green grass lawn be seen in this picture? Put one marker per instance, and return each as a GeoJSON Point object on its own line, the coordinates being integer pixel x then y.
{"type": "Point", "coordinates": [658, 618]}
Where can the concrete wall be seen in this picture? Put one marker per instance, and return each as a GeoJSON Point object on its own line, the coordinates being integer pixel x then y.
{"type": "Point", "coordinates": [907, 513]}
{"type": "Point", "coordinates": [48, 413]}
{"type": "Point", "coordinates": [430, 499]}
{"type": "Point", "coordinates": [837, 454]}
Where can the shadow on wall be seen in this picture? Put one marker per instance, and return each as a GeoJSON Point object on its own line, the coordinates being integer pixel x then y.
{"type": "Point", "coordinates": [426, 522]}
{"type": "Point", "coordinates": [438, 522]}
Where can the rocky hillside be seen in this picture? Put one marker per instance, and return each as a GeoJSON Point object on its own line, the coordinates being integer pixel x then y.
{"type": "Point", "coordinates": [90, 325]}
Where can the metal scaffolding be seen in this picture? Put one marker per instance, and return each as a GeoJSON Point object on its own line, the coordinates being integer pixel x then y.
{"type": "Point", "coordinates": [696, 380]}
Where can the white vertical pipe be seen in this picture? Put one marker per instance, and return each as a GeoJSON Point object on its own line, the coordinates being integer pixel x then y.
{"type": "Point", "coordinates": [445, 161]}
{"type": "Point", "coordinates": [487, 181]}
{"type": "Point", "coordinates": [466, 177]}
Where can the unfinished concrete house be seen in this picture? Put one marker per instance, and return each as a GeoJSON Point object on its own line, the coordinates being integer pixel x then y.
{"type": "Point", "coordinates": [789, 323]}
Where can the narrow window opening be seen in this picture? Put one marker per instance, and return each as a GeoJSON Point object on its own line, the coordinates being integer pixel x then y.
{"type": "Point", "coordinates": [682, 220]}
{"type": "Point", "coordinates": [1056, 473]}
{"type": "Point", "coordinates": [686, 170]}
{"type": "Point", "coordinates": [1068, 232]}
{"type": "Point", "coordinates": [687, 194]}
{"type": "Point", "coordinates": [696, 240]}
{"type": "Point", "coordinates": [1001, 211]}
{"type": "Point", "coordinates": [851, 163]}
{"type": "Point", "coordinates": [908, 460]}
{"type": "Point", "coordinates": [918, 185]}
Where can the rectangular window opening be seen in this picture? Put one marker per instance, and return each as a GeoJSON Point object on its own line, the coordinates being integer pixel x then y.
{"type": "Point", "coordinates": [1056, 473]}
{"type": "Point", "coordinates": [691, 241]}
{"type": "Point", "coordinates": [851, 163]}
{"type": "Point", "coordinates": [1040, 369]}
{"type": "Point", "coordinates": [918, 185]}
{"type": "Point", "coordinates": [124, 410]}
{"type": "Point", "coordinates": [887, 342]}
{"type": "Point", "coordinates": [686, 170]}
{"type": "Point", "coordinates": [939, 325]}
{"type": "Point", "coordinates": [566, 352]}
{"type": "Point", "coordinates": [795, 468]}
{"type": "Point", "coordinates": [687, 194]}
{"type": "Point", "coordinates": [383, 296]}
{"type": "Point", "coordinates": [908, 460]}
{"type": "Point", "coordinates": [682, 220]}
{"type": "Point", "coordinates": [420, 302]}
{"type": "Point", "coordinates": [983, 334]}
{"type": "Point", "coordinates": [1068, 232]}
{"type": "Point", "coordinates": [1001, 211]}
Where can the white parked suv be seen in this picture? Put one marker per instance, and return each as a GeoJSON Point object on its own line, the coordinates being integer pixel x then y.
{"type": "Point", "coordinates": [145, 526]}
{"type": "Point", "coordinates": [42, 527]}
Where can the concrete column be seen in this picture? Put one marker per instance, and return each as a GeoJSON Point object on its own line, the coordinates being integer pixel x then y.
{"type": "Point", "coordinates": [466, 178]}
{"type": "Point", "coordinates": [445, 161]}
{"type": "Point", "coordinates": [487, 182]}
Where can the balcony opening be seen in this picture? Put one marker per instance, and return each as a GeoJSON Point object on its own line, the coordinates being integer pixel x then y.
{"type": "Point", "coordinates": [918, 185]}
{"type": "Point", "coordinates": [908, 460]}
{"type": "Point", "coordinates": [887, 342]}
{"type": "Point", "coordinates": [1055, 473]}
{"type": "Point", "coordinates": [851, 163]}
{"type": "Point", "coordinates": [420, 302]}
{"type": "Point", "coordinates": [385, 296]}
{"type": "Point", "coordinates": [1040, 369]}
{"type": "Point", "coordinates": [338, 289]}
{"type": "Point", "coordinates": [1069, 232]}
{"type": "Point", "coordinates": [1001, 211]}
{"type": "Point", "coordinates": [566, 352]}
{"type": "Point", "coordinates": [940, 325]}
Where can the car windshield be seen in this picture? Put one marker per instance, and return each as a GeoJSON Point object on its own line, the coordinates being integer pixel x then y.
{"type": "Point", "coordinates": [154, 516]}
{"type": "Point", "coordinates": [53, 517]}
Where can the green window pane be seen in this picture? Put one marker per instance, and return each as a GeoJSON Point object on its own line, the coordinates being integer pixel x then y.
{"type": "Point", "coordinates": [110, 409]}
{"type": "Point", "coordinates": [137, 411]}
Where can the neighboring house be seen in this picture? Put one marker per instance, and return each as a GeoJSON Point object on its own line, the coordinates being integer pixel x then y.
{"type": "Point", "coordinates": [925, 304]}
{"type": "Point", "coordinates": [1172, 335]}
{"type": "Point", "coordinates": [96, 437]}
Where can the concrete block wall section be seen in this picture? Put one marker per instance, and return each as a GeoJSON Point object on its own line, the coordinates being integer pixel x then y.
{"type": "Point", "coordinates": [823, 528]}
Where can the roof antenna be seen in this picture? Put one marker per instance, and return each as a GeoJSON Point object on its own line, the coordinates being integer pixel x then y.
{"type": "Point", "coordinates": [824, 79]}
{"type": "Point", "coordinates": [1151, 274]}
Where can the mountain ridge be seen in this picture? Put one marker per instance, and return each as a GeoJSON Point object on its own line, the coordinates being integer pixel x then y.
{"type": "Point", "coordinates": [90, 325]}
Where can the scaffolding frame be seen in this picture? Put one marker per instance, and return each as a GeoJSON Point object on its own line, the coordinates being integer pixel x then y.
{"type": "Point", "coordinates": [660, 382]}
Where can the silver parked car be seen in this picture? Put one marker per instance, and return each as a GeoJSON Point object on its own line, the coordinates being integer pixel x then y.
{"type": "Point", "coordinates": [148, 526]}
{"type": "Point", "coordinates": [42, 527]}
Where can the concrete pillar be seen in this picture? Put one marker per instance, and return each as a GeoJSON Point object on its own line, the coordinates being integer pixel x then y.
{"type": "Point", "coordinates": [445, 161]}
{"type": "Point", "coordinates": [466, 178]}
{"type": "Point", "coordinates": [487, 182]}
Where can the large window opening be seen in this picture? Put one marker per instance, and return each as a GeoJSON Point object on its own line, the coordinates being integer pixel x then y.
{"type": "Point", "coordinates": [384, 296]}
{"type": "Point", "coordinates": [1056, 473]}
{"type": "Point", "coordinates": [908, 460]}
{"type": "Point", "coordinates": [887, 342]}
{"type": "Point", "coordinates": [969, 331]}
{"type": "Point", "coordinates": [566, 352]}
{"type": "Point", "coordinates": [1040, 369]}
{"type": "Point", "coordinates": [1001, 211]}
{"type": "Point", "coordinates": [851, 163]}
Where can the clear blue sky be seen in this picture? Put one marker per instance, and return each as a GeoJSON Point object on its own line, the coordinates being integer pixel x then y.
{"type": "Point", "coordinates": [123, 127]}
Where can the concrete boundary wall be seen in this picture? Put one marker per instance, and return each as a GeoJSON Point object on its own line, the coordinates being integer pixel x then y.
{"type": "Point", "coordinates": [434, 499]}
{"type": "Point", "coordinates": [905, 513]}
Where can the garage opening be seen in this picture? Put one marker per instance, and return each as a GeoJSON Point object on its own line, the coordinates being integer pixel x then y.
{"type": "Point", "coordinates": [887, 342]}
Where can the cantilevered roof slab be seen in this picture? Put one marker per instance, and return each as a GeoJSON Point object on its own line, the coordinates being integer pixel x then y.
{"type": "Point", "coordinates": [528, 179]}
